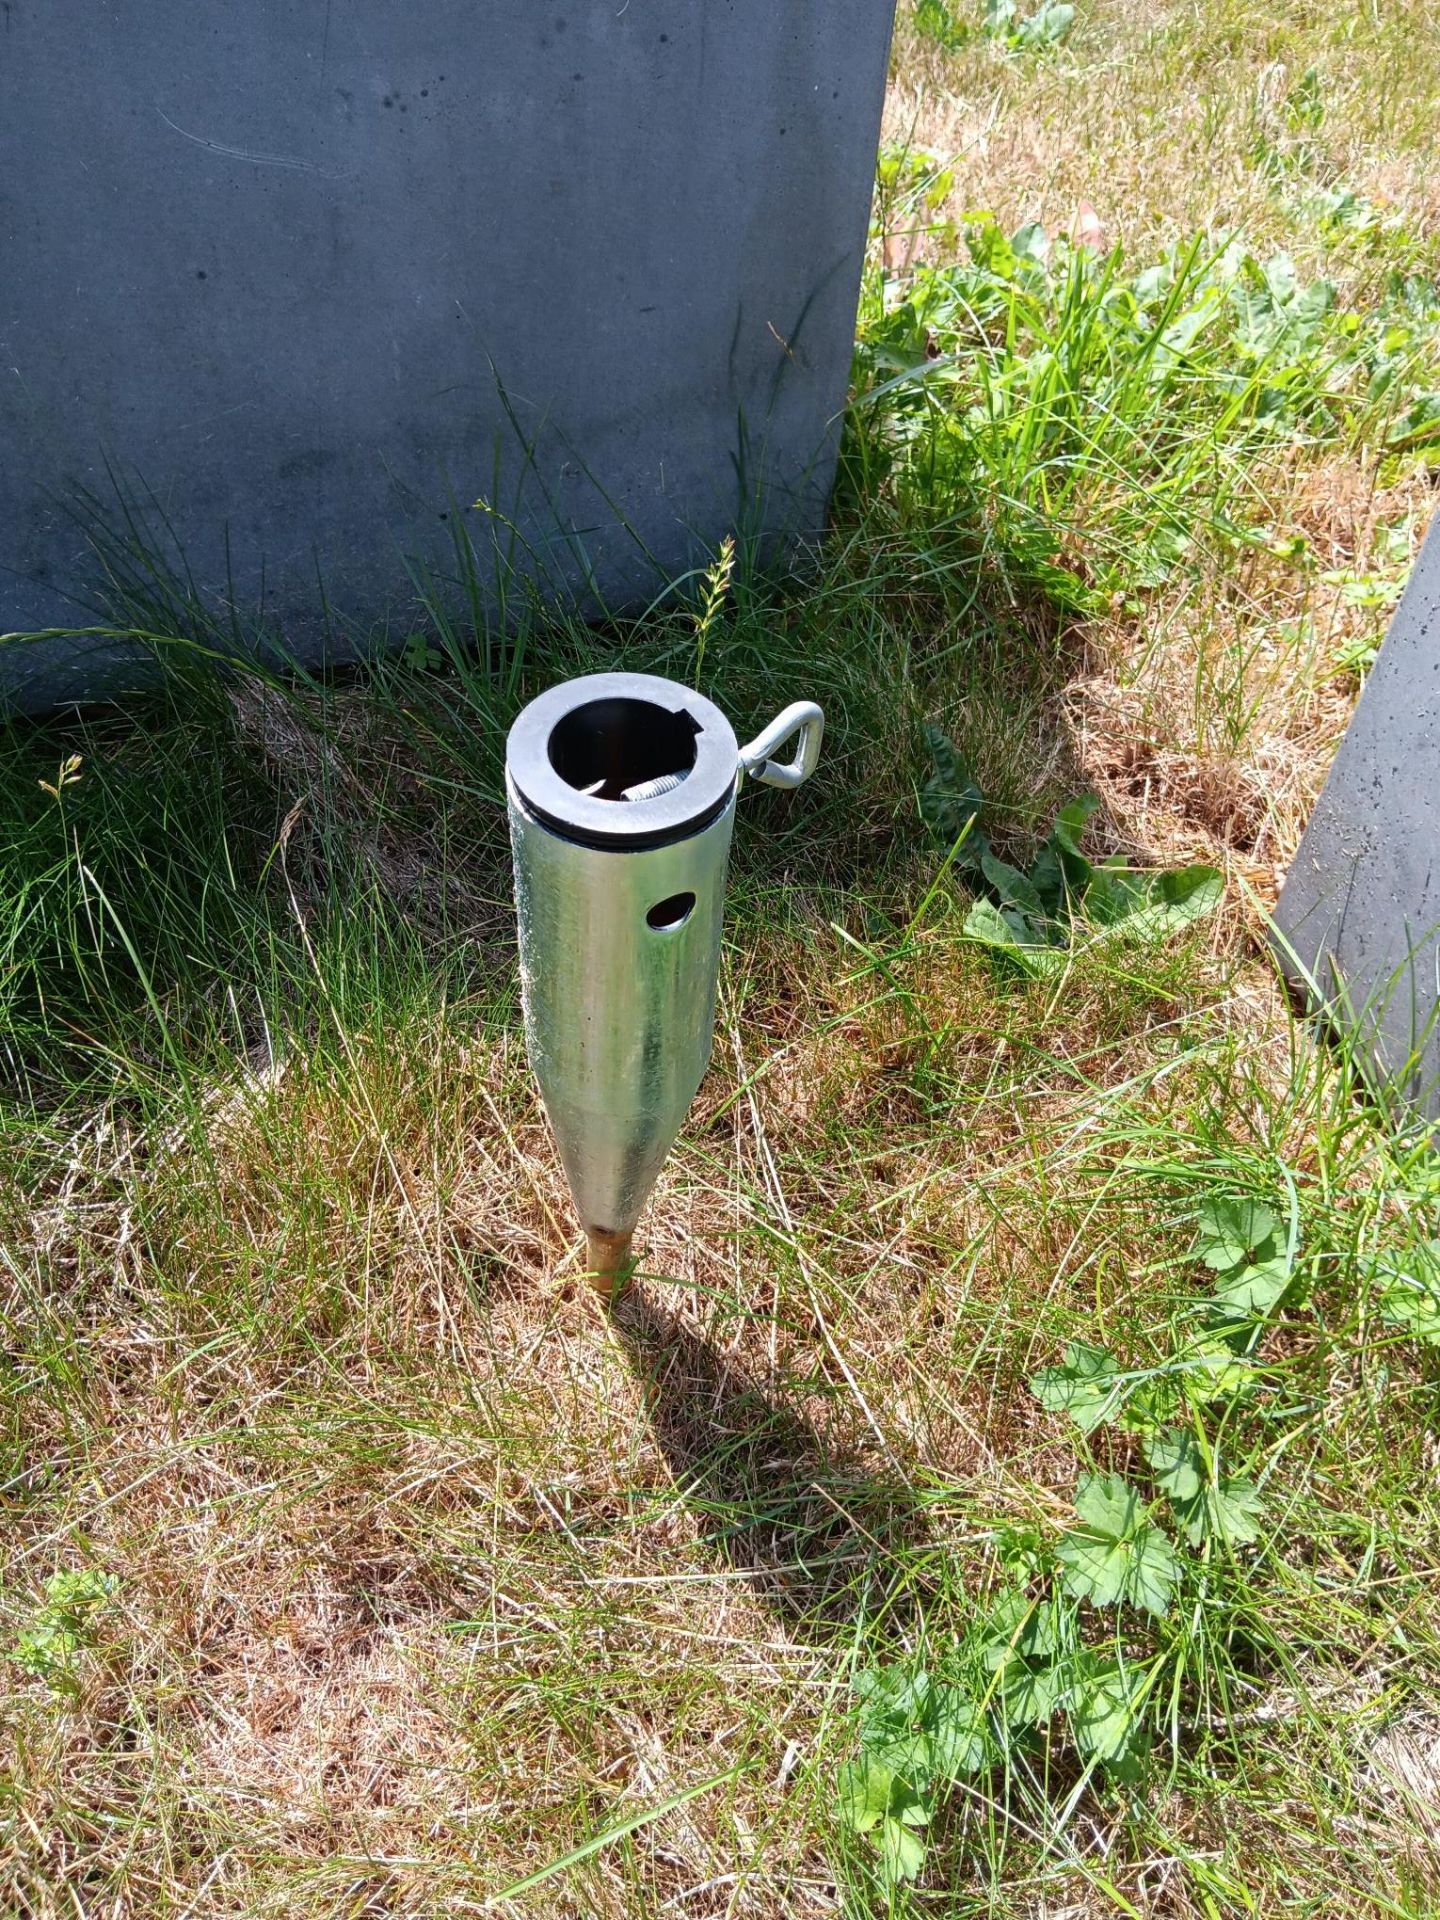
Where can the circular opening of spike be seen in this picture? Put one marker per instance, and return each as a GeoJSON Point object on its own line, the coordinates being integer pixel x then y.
{"type": "Point", "coordinates": [622, 749]}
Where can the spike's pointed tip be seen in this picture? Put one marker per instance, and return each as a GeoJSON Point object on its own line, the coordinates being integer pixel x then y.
{"type": "Point", "coordinates": [609, 1263]}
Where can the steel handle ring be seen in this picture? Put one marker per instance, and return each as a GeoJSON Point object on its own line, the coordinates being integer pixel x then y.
{"type": "Point", "coordinates": [801, 717]}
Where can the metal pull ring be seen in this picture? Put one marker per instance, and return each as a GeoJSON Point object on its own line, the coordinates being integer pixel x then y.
{"type": "Point", "coordinates": [802, 717]}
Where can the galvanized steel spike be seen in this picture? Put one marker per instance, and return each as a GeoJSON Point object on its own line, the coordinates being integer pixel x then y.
{"type": "Point", "coordinates": [621, 791]}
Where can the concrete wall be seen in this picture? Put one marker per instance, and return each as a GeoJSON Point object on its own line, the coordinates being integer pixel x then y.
{"type": "Point", "coordinates": [1361, 905]}
{"type": "Point", "coordinates": [267, 266]}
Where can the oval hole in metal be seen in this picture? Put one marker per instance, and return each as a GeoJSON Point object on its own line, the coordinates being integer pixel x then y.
{"type": "Point", "coordinates": [666, 915]}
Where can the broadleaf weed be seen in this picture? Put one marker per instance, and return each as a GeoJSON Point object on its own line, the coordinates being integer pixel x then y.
{"type": "Point", "coordinates": [1033, 919]}
{"type": "Point", "coordinates": [1100, 429]}
{"type": "Point", "coordinates": [49, 1643]}
{"type": "Point", "coordinates": [1084, 1639]}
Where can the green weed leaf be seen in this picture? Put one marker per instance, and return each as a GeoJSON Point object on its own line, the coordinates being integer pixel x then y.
{"type": "Point", "coordinates": [889, 1693]}
{"type": "Point", "coordinates": [1019, 1626]}
{"type": "Point", "coordinates": [1027, 1643]}
{"type": "Point", "coordinates": [873, 1798]}
{"type": "Point", "coordinates": [1109, 1505]}
{"type": "Point", "coordinates": [1048, 25]}
{"type": "Point", "coordinates": [1233, 1232]}
{"type": "Point", "coordinates": [1030, 1694]}
{"type": "Point", "coordinates": [1255, 1289]}
{"type": "Point", "coordinates": [1115, 893]}
{"type": "Point", "coordinates": [918, 1728]}
{"type": "Point", "coordinates": [1213, 1370]}
{"type": "Point", "coordinates": [1175, 1460]}
{"type": "Point", "coordinates": [1084, 1385]}
{"type": "Point", "coordinates": [1008, 931]}
{"type": "Point", "coordinates": [864, 1788]}
{"type": "Point", "coordinates": [902, 1850]}
{"type": "Point", "coordinates": [1409, 1289]}
{"type": "Point", "coordinates": [1101, 1710]}
{"type": "Point", "coordinates": [1015, 889]}
{"type": "Point", "coordinates": [1117, 1554]}
{"type": "Point", "coordinates": [936, 22]}
{"type": "Point", "coordinates": [959, 1742]}
{"type": "Point", "coordinates": [1417, 425]}
{"type": "Point", "coordinates": [1155, 906]}
{"type": "Point", "coordinates": [47, 1645]}
{"type": "Point", "coordinates": [1061, 872]}
{"type": "Point", "coordinates": [1105, 1712]}
{"type": "Point", "coordinates": [1071, 822]}
{"type": "Point", "coordinates": [896, 1712]}
{"type": "Point", "coordinates": [1228, 1510]}
{"type": "Point", "coordinates": [1239, 1240]}
{"type": "Point", "coordinates": [950, 799]}
{"type": "Point", "coordinates": [1305, 102]}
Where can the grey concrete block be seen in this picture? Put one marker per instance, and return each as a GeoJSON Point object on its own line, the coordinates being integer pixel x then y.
{"type": "Point", "coordinates": [1360, 909]}
{"type": "Point", "coordinates": [268, 267]}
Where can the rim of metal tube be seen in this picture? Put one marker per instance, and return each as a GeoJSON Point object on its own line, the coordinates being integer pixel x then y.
{"type": "Point", "coordinates": [655, 811]}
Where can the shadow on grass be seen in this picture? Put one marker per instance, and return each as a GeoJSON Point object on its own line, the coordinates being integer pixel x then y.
{"type": "Point", "coordinates": [822, 1537]}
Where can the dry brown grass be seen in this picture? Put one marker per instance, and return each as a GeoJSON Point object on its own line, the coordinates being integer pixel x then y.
{"type": "Point", "coordinates": [1152, 116]}
{"type": "Point", "coordinates": [1209, 732]}
{"type": "Point", "coordinates": [427, 1570]}
{"type": "Point", "coordinates": [344, 1391]}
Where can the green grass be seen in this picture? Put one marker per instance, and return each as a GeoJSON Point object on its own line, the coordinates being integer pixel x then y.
{"type": "Point", "coordinates": [358, 1564]}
